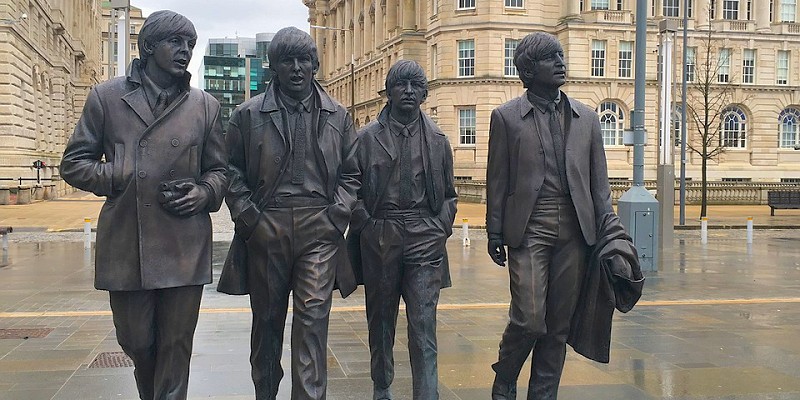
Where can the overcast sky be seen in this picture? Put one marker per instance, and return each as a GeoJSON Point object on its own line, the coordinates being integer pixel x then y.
{"type": "Point", "coordinates": [229, 18]}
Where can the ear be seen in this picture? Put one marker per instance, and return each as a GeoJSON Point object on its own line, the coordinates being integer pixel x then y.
{"type": "Point", "coordinates": [424, 96]}
{"type": "Point", "coordinates": [148, 47]}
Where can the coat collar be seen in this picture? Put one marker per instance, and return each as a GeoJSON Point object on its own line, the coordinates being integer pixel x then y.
{"type": "Point", "coordinates": [526, 107]}
{"type": "Point", "coordinates": [270, 103]}
{"type": "Point", "coordinates": [136, 98]}
{"type": "Point", "coordinates": [427, 127]}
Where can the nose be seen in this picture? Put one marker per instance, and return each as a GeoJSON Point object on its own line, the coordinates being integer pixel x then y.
{"type": "Point", "coordinates": [560, 59]}
{"type": "Point", "coordinates": [408, 88]}
{"type": "Point", "coordinates": [295, 64]}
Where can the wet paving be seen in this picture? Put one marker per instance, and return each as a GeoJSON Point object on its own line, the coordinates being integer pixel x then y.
{"type": "Point", "coordinates": [718, 321]}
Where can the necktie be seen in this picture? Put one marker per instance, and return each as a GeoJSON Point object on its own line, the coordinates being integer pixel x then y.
{"type": "Point", "coordinates": [161, 103]}
{"type": "Point", "coordinates": [405, 169]}
{"type": "Point", "coordinates": [299, 145]}
{"type": "Point", "coordinates": [558, 145]}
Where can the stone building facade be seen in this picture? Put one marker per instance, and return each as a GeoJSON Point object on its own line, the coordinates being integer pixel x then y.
{"type": "Point", "coordinates": [467, 47]}
{"type": "Point", "coordinates": [49, 59]}
{"type": "Point", "coordinates": [108, 69]}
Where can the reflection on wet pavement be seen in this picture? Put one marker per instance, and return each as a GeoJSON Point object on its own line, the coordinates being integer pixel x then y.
{"type": "Point", "coordinates": [719, 321]}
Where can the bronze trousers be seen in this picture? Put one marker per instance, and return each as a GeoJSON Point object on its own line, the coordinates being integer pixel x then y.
{"type": "Point", "coordinates": [155, 328]}
{"type": "Point", "coordinates": [546, 272]}
{"type": "Point", "coordinates": [401, 256]}
{"type": "Point", "coordinates": [291, 249]}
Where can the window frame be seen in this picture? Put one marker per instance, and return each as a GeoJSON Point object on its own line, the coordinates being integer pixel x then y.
{"type": "Point", "coordinates": [598, 59]}
{"type": "Point", "coordinates": [516, 7]}
{"type": "Point", "coordinates": [730, 10]}
{"type": "Point", "coordinates": [607, 110]}
{"type": "Point", "coordinates": [464, 4]}
{"type": "Point", "coordinates": [782, 67]}
{"type": "Point", "coordinates": [467, 133]}
{"type": "Point", "coordinates": [625, 64]}
{"type": "Point", "coordinates": [748, 66]}
{"type": "Point", "coordinates": [467, 62]}
{"type": "Point", "coordinates": [733, 138]}
{"type": "Point", "coordinates": [509, 69]}
{"type": "Point", "coordinates": [724, 65]}
{"type": "Point", "coordinates": [789, 113]}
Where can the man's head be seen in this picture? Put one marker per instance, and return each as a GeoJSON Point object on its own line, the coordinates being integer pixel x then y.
{"type": "Point", "coordinates": [539, 59]}
{"type": "Point", "coordinates": [294, 60]}
{"type": "Point", "coordinates": [406, 87]}
{"type": "Point", "coordinates": [168, 38]}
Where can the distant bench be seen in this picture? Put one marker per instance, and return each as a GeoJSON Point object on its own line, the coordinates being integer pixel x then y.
{"type": "Point", "coordinates": [782, 200]}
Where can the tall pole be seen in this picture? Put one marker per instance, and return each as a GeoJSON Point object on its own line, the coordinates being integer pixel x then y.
{"type": "Point", "coordinates": [639, 92]}
{"type": "Point", "coordinates": [352, 85]}
{"type": "Point", "coordinates": [122, 42]}
{"type": "Point", "coordinates": [637, 208]}
{"type": "Point", "coordinates": [684, 136]}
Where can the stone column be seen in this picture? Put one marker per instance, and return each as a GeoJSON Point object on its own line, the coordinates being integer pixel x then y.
{"type": "Point", "coordinates": [573, 9]}
{"type": "Point", "coordinates": [762, 16]}
{"type": "Point", "coordinates": [379, 26]}
{"type": "Point", "coordinates": [409, 15]}
{"type": "Point", "coordinates": [701, 10]}
{"type": "Point", "coordinates": [391, 14]}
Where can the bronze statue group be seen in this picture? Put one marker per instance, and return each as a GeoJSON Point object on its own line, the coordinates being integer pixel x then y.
{"type": "Point", "coordinates": [318, 206]}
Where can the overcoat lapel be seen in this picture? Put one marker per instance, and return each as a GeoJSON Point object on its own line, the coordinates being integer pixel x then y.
{"type": "Point", "coordinates": [138, 102]}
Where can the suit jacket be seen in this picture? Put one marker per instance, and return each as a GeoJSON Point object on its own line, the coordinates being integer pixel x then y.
{"type": "Point", "coordinates": [377, 158]}
{"type": "Point", "coordinates": [260, 150]}
{"type": "Point", "coordinates": [614, 280]}
{"type": "Point", "coordinates": [120, 150]}
{"type": "Point", "coordinates": [516, 168]}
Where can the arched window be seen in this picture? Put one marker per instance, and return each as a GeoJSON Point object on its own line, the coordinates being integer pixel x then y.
{"type": "Point", "coordinates": [734, 128]}
{"type": "Point", "coordinates": [611, 123]}
{"type": "Point", "coordinates": [789, 120]}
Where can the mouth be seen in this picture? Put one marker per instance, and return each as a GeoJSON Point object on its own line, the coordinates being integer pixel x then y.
{"type": "Point", "coordinates": [181, 63]}
{"type": "Point", "coordinates": [296, 79]}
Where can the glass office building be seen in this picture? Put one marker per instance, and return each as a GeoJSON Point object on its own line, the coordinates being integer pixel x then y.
{"type": "Point", "coordinates": [235, 70]}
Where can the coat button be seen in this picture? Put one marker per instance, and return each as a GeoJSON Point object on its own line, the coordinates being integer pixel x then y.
{"type": "Point", "coordinates": [142, 174]}
{"type": "Point", "coordinates": [172, 173]}
{"type": "Point", "coordinates": [143, 143]}
{"type": "Point", "coordinates": [537, 189]}
{"type": "Point", "coordinates": [175, 142]}
{"type": "Point", "coordinates": [277, 160]}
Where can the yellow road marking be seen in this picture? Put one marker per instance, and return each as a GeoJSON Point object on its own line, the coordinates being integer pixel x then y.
{"type": "Point", "coordinates": [468, 306]}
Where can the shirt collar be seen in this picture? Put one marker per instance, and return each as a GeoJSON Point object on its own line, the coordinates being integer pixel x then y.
{"type": "Point", "coordinates": [541, 103]}
{"type": "Point", "coordinates": [152, 90]}
{"type": "Point", "coordinates": [290, 104]}
{"type": "Point", "coordinates": [397, 128]}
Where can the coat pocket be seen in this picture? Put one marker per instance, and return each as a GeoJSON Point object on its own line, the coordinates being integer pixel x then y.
{"type": "Point", "coordinates": [117, 175]}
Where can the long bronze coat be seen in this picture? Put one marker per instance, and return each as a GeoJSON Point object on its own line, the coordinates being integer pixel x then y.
{"type": "Point", "coordinates": [121, 151]}
{"type": "Point", "coordinates": [516, 169]}
{"type": "Point", "coordinates": [260, 152]}
{"type": "Point", "coordinates": [378, 156]}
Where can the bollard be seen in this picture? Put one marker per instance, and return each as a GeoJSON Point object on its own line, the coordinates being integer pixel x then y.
{"type": "Point", "coordinates": [87, 233]}
{"type": "Point", "coordinates": [749, 230]}
{"type": "Point", "coordinates": [465, 231]}
{"type": "Point", "coordinates": [4, 231]}
{"type": "Point", "coordinates": [704, 230]}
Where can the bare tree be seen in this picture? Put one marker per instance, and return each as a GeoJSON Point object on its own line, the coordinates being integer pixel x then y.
{"type": "Point", "coordinates": [707, 97]}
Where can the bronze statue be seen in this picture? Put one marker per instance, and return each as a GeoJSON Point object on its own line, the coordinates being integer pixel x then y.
{"type": "Point", "coordinates": [154, 147]}
{"type": "Point", "coordinates": [405, 213]}
{"type": "Point", "coordinates": [547, 192]}
{"type": "Point", "coordinates": [294, 177]}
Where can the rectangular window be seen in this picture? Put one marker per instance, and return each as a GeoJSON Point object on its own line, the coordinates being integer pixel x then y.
{"type": "Point", "coordinates": [466, 126]}
{"type": "Point", "coordinates": [598, 57]}
{"type": "Point", "coordinates": [748, 66]}
{"type": "Point", "coordinates": [466, 58]}
{"type": "Point", "coordinates": [782, 67]}
{"type": "Point", "coordinates": [619, 5]}
{"type": "Point", "coordinates": [434, 62]}
{"type": "Point", "coordinates": [671, 8]}
{"type": "Point", "coordinates": [691, 63]}
{"type": "Point", "coordinates": [514, 3]}
{"type": "Point", "coordinates": [600, 4]}
{"type": "Point", "coordinates": [466, 4]}
{"type": "Point", "coordinates": [730, 9]}
{"type": "Point", "coordinates": [724, 66]}
{"type": "Point", "coordinates": [509, 69]}
{"type": "Point", "coordinates": [788, 10]}
{"type": "Point", "coordinates": [625, 59]}
{"type": "Point", "coordinates": [689, 3]}
{"type": "Point", "coordinates": [749, 10]}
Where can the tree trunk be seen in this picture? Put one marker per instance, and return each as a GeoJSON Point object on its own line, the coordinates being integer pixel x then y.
{"type": "Point", "coordinates": [704, 188]}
